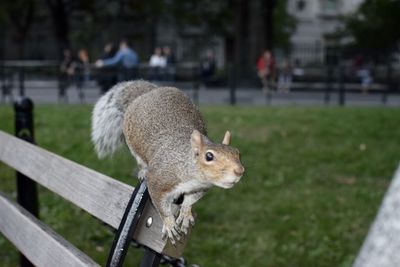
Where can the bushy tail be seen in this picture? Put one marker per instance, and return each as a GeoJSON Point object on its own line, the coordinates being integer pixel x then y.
{"type": "Point", "coordinates": [108, 115]}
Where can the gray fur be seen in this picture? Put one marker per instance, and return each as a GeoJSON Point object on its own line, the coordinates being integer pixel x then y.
{"type": "Point", "coordinates": [158, 126]}
{"type": "Point", "coordinates": [108, 115]}
{"type": "Point", "coordinates": [167, 135]}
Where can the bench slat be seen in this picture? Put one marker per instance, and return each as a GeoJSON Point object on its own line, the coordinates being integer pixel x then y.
{"type": "Point", "coordinates": [99, 195]}
{"type": "Point", "coordinates": [41, 245]}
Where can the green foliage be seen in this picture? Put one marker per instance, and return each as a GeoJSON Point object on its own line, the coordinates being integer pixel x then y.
{"type": "Point", "coordinates": [10, 9]}
{"type": "Point", "coordinates": [19, 15]}
{"type": "Point", "coordinates": [314, 180]}
{"type": "Point", "coordinates": [375, 25]}
{"type": "Point", "coordinates": [285, 25]}
{"type": "Point", "coordinates": [216, 17]}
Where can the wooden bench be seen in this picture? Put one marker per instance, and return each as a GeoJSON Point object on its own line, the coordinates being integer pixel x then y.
{"type": "Point", "coordinates": [103, 197]}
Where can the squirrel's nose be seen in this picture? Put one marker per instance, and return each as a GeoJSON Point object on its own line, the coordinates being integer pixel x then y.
{"type": "Point", "coordinates": [239, 171]}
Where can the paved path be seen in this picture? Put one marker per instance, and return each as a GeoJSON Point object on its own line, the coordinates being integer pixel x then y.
{"type": "Point", "coordinates": [46, 92]}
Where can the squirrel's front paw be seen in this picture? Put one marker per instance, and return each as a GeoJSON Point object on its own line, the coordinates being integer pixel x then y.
{"type": "Point", "coordinates": [171, 230]}
{"type": "Point", "coordinates": [185, 219]}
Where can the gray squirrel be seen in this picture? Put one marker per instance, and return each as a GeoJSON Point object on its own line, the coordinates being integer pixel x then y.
{"type": "Point", "coordinates": [167, 136]}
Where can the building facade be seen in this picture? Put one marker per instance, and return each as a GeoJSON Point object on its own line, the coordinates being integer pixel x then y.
{"type": "Point", "coordinates": [317, 21]}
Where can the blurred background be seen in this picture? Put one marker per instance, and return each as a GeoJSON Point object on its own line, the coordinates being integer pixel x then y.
{"type": "Point", "coordinates": [317, 46]}
{"type": "Point", "coordinates": [308, 88]}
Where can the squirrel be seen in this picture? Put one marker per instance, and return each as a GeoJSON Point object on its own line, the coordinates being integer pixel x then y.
{"type": "Point", "coordinates": [167, 136]}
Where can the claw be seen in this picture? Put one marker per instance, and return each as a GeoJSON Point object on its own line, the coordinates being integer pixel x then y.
{"type": "Point", "coordinates": [171, 230]}
{"type": "Point", "coordinates": [142, 173]}
{"type": "Point", "coordinates": [179, 220]}
{"type": "Point", "coordinates": [185, 219]}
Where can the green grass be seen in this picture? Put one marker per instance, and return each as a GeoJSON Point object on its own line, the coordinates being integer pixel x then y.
{"type": "Point", "coordinates": [314, 180]}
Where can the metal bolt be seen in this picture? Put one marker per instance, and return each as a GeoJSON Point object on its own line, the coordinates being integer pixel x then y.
{"type": "Point", "coordinates": [149, 221]}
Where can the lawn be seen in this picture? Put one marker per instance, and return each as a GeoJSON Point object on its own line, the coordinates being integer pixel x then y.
{"type": "Point", "coordinates": [315, 177]}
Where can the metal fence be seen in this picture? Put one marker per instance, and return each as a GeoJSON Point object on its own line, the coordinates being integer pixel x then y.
{"type": "Point", "coordinates": [332, 83]}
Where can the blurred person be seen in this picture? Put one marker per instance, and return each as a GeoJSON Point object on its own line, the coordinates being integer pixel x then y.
{"type": "Point", "coordinates": [82, 72]}
{"type": "Point", "coordinates": [65, 75]}
{"type": "Point", "coordinates": [169, 55]}
{"type": "Point", "coordinates": [107, 76]}
{"type": "Point", "coordinates": [126, 58]}
{"type": "Point", "coordinates": [285, 76]}
{"type": "Point", "coordinates": [366, 78]}
{"type": "Point", "coordinates": [208, 66]}
{"type": "Point", "coordinates": [362, 71]}
{"type": "Point", "coordinates": [157, 64]}
{"type": "Point", "coordinates": [297, 69]}
{"type": "Point", "coordinates": [170, 70]}
{"type": "Point", "coordinates": [266, 70]}
{"type": "Point", "coordinates": [356, 64]}
{"type": "Point", "coordinates": [82, 65]}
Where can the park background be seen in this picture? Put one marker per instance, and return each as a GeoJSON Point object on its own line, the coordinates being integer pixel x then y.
{"type": "Point", "coordinates": [315, 175]}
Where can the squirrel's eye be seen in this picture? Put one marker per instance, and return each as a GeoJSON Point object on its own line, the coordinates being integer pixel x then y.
{"type": "Point", "coordinates": [209, 156]}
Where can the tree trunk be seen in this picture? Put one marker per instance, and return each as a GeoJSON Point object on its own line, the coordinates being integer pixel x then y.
{"type": "Point", "coordinates": [60, 15]}
{"type": "Point", "coordinates": [22, 21]}
{"type": "Point", "coordinates": [253, 33]}
{"type": "Point", "coordinates": [382, 245]}
{"type": "Point", "coordinates": [240, 37]}
{"type": "Point", "coordinates": [268, 9]}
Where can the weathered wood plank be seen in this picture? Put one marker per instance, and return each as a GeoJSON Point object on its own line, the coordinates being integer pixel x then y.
{"type": "Point", "coordinates": [99, 195]}
{"type": "Point", "coordinates": [41, 245]}
{"type": "Point", "coordinates": [382, 245]}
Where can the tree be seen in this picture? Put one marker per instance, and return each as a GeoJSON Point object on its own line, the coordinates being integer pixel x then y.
{"type": "Point", "coordinates": [61, 12]}
{"type": "Point", "coordinates": [259, 25]}
{"type": "Point", "coordinates": [268, 14]}
{"type": "Point", "coordinates": [19, 15]}
{"type": "Point", "coordinates": [375, 26]}
{"type": "Point", "coordinates": [284, 25]}
{"type": "Point", "coordinates": [149, 13]}
{"type": "Point", "coordinates": [248, 26]}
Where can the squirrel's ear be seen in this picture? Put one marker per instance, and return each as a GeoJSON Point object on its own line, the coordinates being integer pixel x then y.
{"type": "Point", "coordinates": [196, 140]}
{"type": "Point", "coordinates": [227, 138]}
